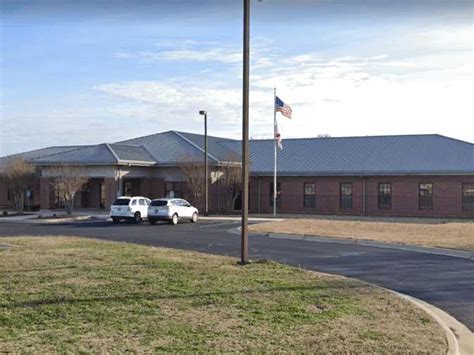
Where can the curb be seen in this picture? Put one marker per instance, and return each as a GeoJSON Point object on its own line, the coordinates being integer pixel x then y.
{"type": "Point", "coordinates": [460, 338]}
{"type": "Point", "coordinates": [369, 243]}
{"type": "Point", "coordinates": [55, 220]}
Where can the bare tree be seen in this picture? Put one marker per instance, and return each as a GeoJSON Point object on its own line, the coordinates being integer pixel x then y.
{"type": "Point", "coordinates": [68, 180]}
{"type": "Point", "coordinates": [194, 175]}
{"type": "Point", "coordinates": [18, 174]}
{"type": "Point", "coordinates": [231, 180]}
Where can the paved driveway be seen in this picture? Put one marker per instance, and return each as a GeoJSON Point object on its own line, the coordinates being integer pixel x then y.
{"type": "Point", "coordinates": [443, 281]}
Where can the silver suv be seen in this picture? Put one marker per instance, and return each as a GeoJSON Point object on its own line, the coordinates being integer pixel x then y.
{"type": "Point", "coordinates": [172, 210]}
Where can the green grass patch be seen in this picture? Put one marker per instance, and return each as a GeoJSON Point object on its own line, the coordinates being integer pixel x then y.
{"type": "Point", "coordinates": [82, 295]}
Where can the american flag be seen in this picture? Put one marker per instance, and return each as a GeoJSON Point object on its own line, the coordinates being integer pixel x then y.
{"type": "Point", "coordinates": [280, 106]}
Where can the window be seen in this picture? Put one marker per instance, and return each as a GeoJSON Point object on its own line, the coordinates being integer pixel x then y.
{"type": "Point", "coordinates": [278, 199]}
{"type": "Point", "coordinates": [309, 195]}
{"type": "Point", "coordinates": [121, 202]}
{"type": "Point", "coordinates": [29, 194]}
{"type": "Point", "coordinates": [346, 195]}
{"type": "Point", "coordinates": [425, 196]}
{"type": "Point", "coordinates": [134, 202]}
{"type": "Point", "coordinates": [58, 197]}
{"type": "Point", "coordinates": [174, 189]}
{"type": "Point", "coordinates": [468, 197]}
{"type": "Point", "coordinates": [385, 195]}
{"type": "Point", "coordinates": [185, 203]}
{"type": "Point", "coordinates": [142, 202]}
{"type": "Point", "coordinates": [159, 203]}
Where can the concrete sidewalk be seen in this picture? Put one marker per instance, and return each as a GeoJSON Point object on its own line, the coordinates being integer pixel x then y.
{"type": "Point", "coordinates": [48, 216]}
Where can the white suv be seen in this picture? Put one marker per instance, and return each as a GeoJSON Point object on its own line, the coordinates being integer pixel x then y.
{"type": "Point", "coordinates": [172, 210]}
{"type": "Point", "coordinates": [129, 208]}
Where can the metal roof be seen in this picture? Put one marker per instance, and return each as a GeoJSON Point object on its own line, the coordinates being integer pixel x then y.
{"type": "Point", "coordinates": [372, 155]}
{"type": "Point", "coordinates": [376, 155]}
{"type": "Point", "coordinates": [214, 146]}
{"type": "Point", "coordinates": [131, 153]}
{"type": "Point", "coordinates": [93, 154]}
{"type": "Point", "coordinates": [32, 154]}
{"type": "Point", "coordinates": [172, 147]}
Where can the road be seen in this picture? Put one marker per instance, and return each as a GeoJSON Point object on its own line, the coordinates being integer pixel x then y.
{"type": "Point", "coordinates": [443, 281]}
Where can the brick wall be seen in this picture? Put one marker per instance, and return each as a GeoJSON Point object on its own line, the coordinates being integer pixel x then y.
{"type": "Point", "coordinates": [447, 195]}
{"type": "Point", "coordinates": [45, 193]}
{"type": "Point", "coordinates": [4, 203]}
{"type": "Point", "coordinates": [111, 186]}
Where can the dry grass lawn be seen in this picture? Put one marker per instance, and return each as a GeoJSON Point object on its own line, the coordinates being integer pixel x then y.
{"type": "Point", "coordinates": [73, 295]}
{"type": "Point", "coordinates": [454, 235]}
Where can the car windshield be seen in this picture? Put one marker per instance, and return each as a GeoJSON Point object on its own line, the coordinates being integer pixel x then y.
{"type": "Point", "coordinates": [159, 203]}
{"type": "Point", "coordinates": [121, 202]}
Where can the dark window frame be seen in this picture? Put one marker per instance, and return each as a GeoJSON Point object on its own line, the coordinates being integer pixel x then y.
{"type": "Point", "coordinates": [278, 199]}
{"type": "Point", "coordinates": [422, 205]}
{"type": "Point", "coordinates": [346, 201]}
{"type": "Point", "coordinates": [176, 187]}
{"type": "Point", "coordinates": [465, 203]}
{"type": "Point", "coordinates": [381, 195]}
{"type": "Point", "coordinates": [309, 200]}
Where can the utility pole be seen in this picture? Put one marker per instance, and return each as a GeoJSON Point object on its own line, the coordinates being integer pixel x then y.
{"type": "Point", "coordinates": [206, 165]}
{"type": "Point", "coordinates": [245, 135]}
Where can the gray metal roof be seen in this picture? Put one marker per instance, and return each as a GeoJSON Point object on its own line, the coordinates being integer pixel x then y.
{"type": "Point", "coordinates": [132, 153]}
{"type": "Point", "coordinates": [93, 154]}
{"type": "Point", "coordinates": [214, 146]}
{"type": "Point", "coordinates": [379, 155]}
{"type": "Point", "coordinates": [32, 154]}
{"type": "Point", "coordinates": [169, 148]}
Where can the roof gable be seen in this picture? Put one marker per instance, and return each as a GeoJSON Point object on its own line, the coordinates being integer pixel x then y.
{"type": "Point", "coordinates": [172, 147]}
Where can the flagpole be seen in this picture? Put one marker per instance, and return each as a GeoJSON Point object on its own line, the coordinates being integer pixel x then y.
{"type": "Point", "coordinates": [275, 155]}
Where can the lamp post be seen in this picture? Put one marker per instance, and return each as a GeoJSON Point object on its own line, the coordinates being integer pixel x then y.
{"type": "Point", "coordinates": [244, 257]}
{"type": "Point", "coordinates": [206, 169]}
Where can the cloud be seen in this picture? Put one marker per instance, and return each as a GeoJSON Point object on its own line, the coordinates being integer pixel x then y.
{"type": "Point", "coordinates": [417, 81]}
{"type": "Point", "coordinates": [381, 93]}
{"type": "Point", "coordinates": [210, 55]}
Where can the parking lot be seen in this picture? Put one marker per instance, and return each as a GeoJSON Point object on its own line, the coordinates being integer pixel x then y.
{"type": "Point", "coordinates": [443, 281]}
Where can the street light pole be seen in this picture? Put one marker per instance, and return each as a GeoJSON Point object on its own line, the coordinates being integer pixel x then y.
{"type": "Point", "coordinates": [245, 135]}
{"type": "Point", "coordinates": [206, 165]}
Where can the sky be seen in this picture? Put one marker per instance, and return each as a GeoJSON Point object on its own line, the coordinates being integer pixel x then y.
{"type": "Point", "coordinates": [99, 71]}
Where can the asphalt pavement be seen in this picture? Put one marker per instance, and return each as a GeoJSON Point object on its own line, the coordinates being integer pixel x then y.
{"type": "Point", "coordinates": [444, 281]}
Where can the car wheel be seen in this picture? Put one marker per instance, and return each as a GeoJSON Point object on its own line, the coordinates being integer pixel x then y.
{"type": "Point", "coordinates": [174, 219]}
{"type": "Point", "coordinates": [137, 218]}
{"type": "Point", "coordinates": [152, 221]}
{"type": "Point", "coordinates": [194, 218]}
{"type": "Point", "coordinates": [115, 220]}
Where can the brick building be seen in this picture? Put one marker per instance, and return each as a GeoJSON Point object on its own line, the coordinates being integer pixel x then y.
{"type": "Point", "coordinates": [408, 175]}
